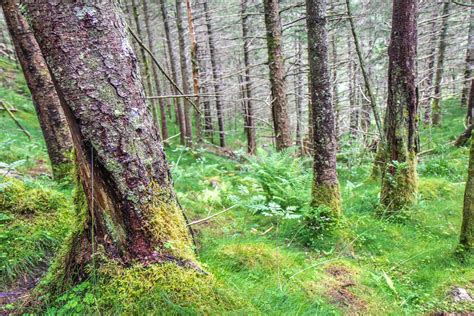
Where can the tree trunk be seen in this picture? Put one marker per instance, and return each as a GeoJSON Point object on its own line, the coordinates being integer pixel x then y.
{"type": "Point", "coordinates": [436, 107]}
{"type": "Point", "coordinates": [431, 64]}
{"type": "Point", "coordinates": [325, 191]}
{"type": "Point", "coordinates": [399, 176]}
{"type": "Point", "coordinates": [195, 69]}
{"type": "Point", "coordinates": [298, 81]}
{"type": "Point", "coordinates": [467, 229]}
{"type": "Point", "coordinates": [174, 72]}
{"type": "Point", "coordinates": [248, 108]}
{"type": "Point", "coordinates": [469, 72]}
{"type": "Point", "coordinates": [131, 214]}
{"type": "Point", "coordinates": [335, 82]}
{"type": "Point", "coordinates": [215, 75]}
{"type": "Point", "coordinates": [156, 78]}
{"type": "Point", "coordinates": [281, 121]}
{"type": "Point", "coordinates": [45, 99]}
{"type": "Point", "coordinates": [184, 70]}
{"type": "Point", "coordinates": [365, 75]}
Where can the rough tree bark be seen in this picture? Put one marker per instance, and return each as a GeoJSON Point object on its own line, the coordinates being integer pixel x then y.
{"type": "Point", "coordinates": [215, 75]}
{"type": "Point", "coordinates": [335, 82]}
{"type": "Point", "coordinates": [45, 99]}
{"type": "Point", "coordinates": [467, 229]}
{"type": "Point", "coordinates": [129, 208]}
{"type": "Point", "coordinates": [156, 79]}
{"type": "Point", "coordinates": [248, 108]}
{"type": "Point", "coordinates": [399, 181]}
{"type": "Point", "coordinates": [469, 72]}
{"type": "Point", "coordinates": [436, 106]}
{"type": "Point", "coordinates": [279, 105]}
{"type": "Point", "coordinates": [174, 72]}
{"type": "Point", "coordinates": [184, 70]}
{"type": "Point", "coordinates": [325, 191]}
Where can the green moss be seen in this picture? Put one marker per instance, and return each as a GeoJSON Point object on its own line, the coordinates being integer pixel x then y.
{"type": "Point", "coordinates": [251, 256]}
{"type": "Point", "coordinates": [433, 188]}
{"type": "Point", "coordinates": [329, 197]}
{"type": "Point", "coordinates": [399, 185]}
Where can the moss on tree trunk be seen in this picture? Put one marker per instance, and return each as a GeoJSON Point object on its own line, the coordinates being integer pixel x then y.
{"type": "Point", "coordinates": [399, 165]}
{"type": "Point", "coordinates": [128, 211]}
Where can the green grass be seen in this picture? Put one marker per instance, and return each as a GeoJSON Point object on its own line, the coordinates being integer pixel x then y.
{"type": "Point", "coordinates": [260, 257]}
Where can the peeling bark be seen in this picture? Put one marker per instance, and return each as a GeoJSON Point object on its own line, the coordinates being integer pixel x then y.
{"type": "Point", "coordinates": [277, 74]}
{"type": "Point", "coordinates": [127, 204]}
{"type": "Point", "coordinates": [399, 176]}
{"type": "Point", "coordinates": [45, 99]}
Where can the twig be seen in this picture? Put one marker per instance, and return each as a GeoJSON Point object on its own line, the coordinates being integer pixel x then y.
{"type": "Point", "coordinates": [211, 216]}
{"type": "Point", "coordinates": [162, 69]}
{"type": "Point", "coordinates": [3, 103]}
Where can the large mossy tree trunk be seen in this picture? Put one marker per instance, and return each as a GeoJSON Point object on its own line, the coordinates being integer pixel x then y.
{"type": "Point", "coordinates": [325, 191]}
{"type": "Point", "coordinates": [399, 176]}
{"type": "Point", "coordinates": [127, 203]}
{"type": "Point", "coordinates": [436, 106]}
{"type": "Point", "coordinates": [45, 99]}
{"type": "Point", "coordinates": [281, 121]}
{"type": "Point", "coordinates": [467, 229]}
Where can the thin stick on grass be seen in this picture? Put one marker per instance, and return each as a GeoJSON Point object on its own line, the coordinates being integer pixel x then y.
{"type": "Point", "coordinates": [6, 107]}
{"type": "Point", "coordinates": [211, 216]}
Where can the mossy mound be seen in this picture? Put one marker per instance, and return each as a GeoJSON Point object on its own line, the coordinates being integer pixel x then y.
{"type": "Point", "coordinates": [114, 290]}
{"type": "Point", "coordinates": [33, 223]}
{"type": "Point", "coordinates": [432, 189]}
{"type": "Point", "coordinates": [250, 256]}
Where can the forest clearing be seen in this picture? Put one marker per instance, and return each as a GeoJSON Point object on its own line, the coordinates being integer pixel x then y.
{"type": "Point", "coordinates": [244, 157]}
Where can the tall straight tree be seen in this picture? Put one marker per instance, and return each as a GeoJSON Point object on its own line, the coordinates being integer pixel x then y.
{"type": "Point", "coordinates": [184, 69]}
{"type": "Point", "coordinates": [467, 229]}
{"type": "Point", "coordinates": [469, 72]}
{"type": "Point", "coordinates": [127, 201]}
{"type": "Point", "coordinates": [215, 74]}
{"type": "Point", "coordinates": [174, 71]}
{"type": "Point", "coordinates": [436, 106]}
{"type": "Point", "coordinates": [281, 123]}
{"type": "Point", "coordinates": [325, 191]}
{"type": "Point", "coordinates": [247, 88]}
{"type": "Point", "coordinates": [45, 99]}
{"type": "Point", "coordinates": [399, 180]}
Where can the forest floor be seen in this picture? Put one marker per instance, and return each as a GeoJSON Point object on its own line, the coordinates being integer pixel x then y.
{"type": "Point", "coordinates": [259, 249]}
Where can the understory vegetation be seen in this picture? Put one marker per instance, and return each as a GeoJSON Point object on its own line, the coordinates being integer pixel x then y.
{"type": "Point", "coordinates": [260, 254]}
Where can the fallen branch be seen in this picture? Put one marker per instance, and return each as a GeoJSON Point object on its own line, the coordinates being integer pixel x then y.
{"type": "Point", "coordinates": [6, 108]}
{"type": "Point", "coordinates": [211, 216]}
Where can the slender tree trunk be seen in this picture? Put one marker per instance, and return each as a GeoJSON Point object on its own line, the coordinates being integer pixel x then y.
{"type": "Point", "coordinates": [215, 75]}
{"type": "Point", "coordinates": [298, 81]}
{"type": "Point", "coordinates": [467, 229]}
{"type": "Point", "coordinates": [174, 72]}
{"type": "Point", "coordinates": [365, 75]}
{"type": "Point", "coordinates": [281, 120]}
{"type": "Point", "coordinates": [195, 69]}
{"type": "Point", "coordinates": [436, 107]}
{"type": "Point", "coordinates": [469, 72]}
{"type": "Point", "coordinates": [250, 131]}
{"type": "Point", "coordinates": [184, 70]}
{"type": "Point", "coordinates": [156, 78]}
{"type": "Point", "coordinates": [431, 65]}
{"type": "Point", "coordinates": [354, 111]}
{"type": "Point", "coordinates": [335, 82]}
{"type": "Point", "coordinates": [325, 191]}
{"type": "Point", "coordinates": [45, 99]}
{"type": "Point", "coordinates": [127, 199]}
{"type": "Point", "coordinates": [399, 177]}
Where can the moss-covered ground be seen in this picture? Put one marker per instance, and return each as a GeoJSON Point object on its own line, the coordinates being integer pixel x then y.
{"type": "Point", "coordinates": [260, 256]}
